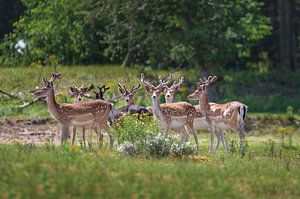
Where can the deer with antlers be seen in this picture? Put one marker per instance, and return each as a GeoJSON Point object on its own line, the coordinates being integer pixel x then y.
{"type": "Point", "coordinates": [179, 115]}
{"type": "Point", "coordinates": [100, 93]}
{"type": "Point", "coordinates": [130, 107]}
{"type": "Point", "coordinates": [224, 117]}
{"type": "Point", "coordinates": [95, 112]}
{"type": "Point", "coordinates": [79, 93]}
{"type": "Point", "coordinates": [199, 120]}
{"type": "Point", "coordinates": [170, 91]}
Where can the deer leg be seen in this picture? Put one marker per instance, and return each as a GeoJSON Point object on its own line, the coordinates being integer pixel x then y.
{"type": "Point", "coordinates": [212, 138]}
{"type": "Point", "coordinates": [166, 130]}
{"type": "Point", "coordinates": [83, 136]}
{"type": "Point", "coordinates": [242, 135]}
{"type": "Point", "coordinates": [64, 133]}
{"type": "Point", "coordinates": [99, 133]}
{"type": "Point", "coordinates": [218, 133]}
{"type": "Point", "coordinates": [111, 140]}
{"type": "Point", "coordinates": [224, 141]}
{"type": "Point", "coordinates": [185, 135]}
{"type": "Point", "coordinates": [194, 132]}
{"type": "Point", "coordinates": [74, 135]}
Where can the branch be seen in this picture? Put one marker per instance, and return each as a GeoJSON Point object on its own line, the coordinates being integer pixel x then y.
{"type": "Point", "coordinates": [30, 103]}
{"type": "Point", "coordinates": [8, 94]}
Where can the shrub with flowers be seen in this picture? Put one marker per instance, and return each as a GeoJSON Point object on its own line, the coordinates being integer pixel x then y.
{"type": "Point", "coordinates": [183, 149]}
{"type": "Point", "coordinates": [159, 145]}
{"type": "Point", "coordinates": [128, 149]}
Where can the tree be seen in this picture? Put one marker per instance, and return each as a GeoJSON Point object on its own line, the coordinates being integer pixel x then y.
{"type": "Point", "coordinates": [181, 32]}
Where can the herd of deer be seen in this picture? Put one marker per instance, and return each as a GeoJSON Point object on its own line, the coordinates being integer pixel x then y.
{"type": "Point", "coordinates": [98, 114]}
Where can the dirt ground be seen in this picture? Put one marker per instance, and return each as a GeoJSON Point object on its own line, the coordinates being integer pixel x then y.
{"type": "Point", "coordinates": [39, 132]}
{"type": "Point", "coordinates": [29, 131]}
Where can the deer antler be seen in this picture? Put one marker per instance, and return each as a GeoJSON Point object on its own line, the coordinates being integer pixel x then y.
{"type": "Point", "coordinates": [165, 82]}
{"type": "Point", "coordinates": [178, 85]}
{"type": "Point", "coordinates": [54, 76]}
{"type": "Point", "coordinates": [103, 89]}
{"type": "Point", "coordinates": [207, 81]}
{"type": "Point", "coordinates": [122, 88]}
{"type": "Point", "coordinates": [147, 84]}
{"type": "Point", "coordinates": [135, 89]}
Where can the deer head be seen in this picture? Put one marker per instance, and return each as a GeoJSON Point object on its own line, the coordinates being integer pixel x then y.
{"type": "Point", "coordinates": [153, 91]}
{"type": "Point", "coordinates": [170, 91]}
{"type": "Point", "coordinates": [79, 92]}
{"type": "Point", "coordinates": [202, 84]}
{"type": "Point", "coordinates": [48, 86]}
{"type": "Point", "coordinates": [100, 93]}
{"type": "Point", "coordinates": [128, 94]}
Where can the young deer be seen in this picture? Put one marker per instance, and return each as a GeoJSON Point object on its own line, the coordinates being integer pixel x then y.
{"type": "Point", "coordinates": [130, 107]}
{"type": "Point", "coordinates": [95, 112]}
{"type": "Point", "coordinates": [79, 93]}
{"type": "Point", "coordinates": [226, 116]}
{"type": "Point", "coordinates": [178, 115]}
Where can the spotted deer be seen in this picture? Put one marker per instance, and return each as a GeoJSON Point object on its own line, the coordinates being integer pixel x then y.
{"type": "Point", "coordinates": [130, 107]}
{"type": "Point", "coordinates": [94, 112]}
{"type": "Point", "coordinates": [199, 120]}
{"type": "Point", "coordinates": [179, 115]}
{"type": "Point", "coordinates": [224, 117]}
{"type": "Point", "coordinates": [79, 93]}
{"type": "Point", "coordinates": [170, 91]}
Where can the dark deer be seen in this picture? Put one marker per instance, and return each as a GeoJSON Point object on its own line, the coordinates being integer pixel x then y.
{"type": "Point", "coordinates": [130, 107]}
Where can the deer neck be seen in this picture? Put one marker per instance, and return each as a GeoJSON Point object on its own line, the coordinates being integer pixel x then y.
{"type": "Point", "coordinates": [169, 100]}
{"type": "Point", "coordinates": [52, 105]}
{"type": "Point", "coordinates": [157, 110]}
{"type": "Point", "coordinates": [204, 104]}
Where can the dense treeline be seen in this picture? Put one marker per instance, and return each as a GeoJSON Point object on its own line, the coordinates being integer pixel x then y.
{"type": "Point", "coordinates": [183, 33]}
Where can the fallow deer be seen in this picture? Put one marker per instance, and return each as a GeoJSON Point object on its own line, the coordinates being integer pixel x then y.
{"type": "Point", "coordinates": [179, 115]}
{"type": "Point", "coordinates": [95, 112]}
{"type": "Point", "coordinates": [199, 120]}
{"type": "Point", "coordinates": [100, 93]}
{"type": "Point", "coordinates": [224, 117]}
{"type": "Point", "coordinates": [79, 93]}
{"type": "Point", "coordinates": [130, 107]}
{"type": "Point", "coordinates": [170, 91]}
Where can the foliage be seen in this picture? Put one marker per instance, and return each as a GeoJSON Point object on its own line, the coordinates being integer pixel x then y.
{"type": "Point", "coordinates": [54, 32]}
{"type": "Point", "coordinates": [142, 137]}
{"type": "Point", "coordinates": [156, 33]}
{"type": "Point", "coordinates": [183, 149]}
{"type": "Point", "coordinates": [159, 145]}
{"type": "Point", "coordinates": [193, 32]}
{"type": "Point", "coordinates": [132, 130]}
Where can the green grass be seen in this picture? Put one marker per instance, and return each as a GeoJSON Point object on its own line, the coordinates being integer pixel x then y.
{"type": "Point", "coordinates": [63, 172]}
{"type": "Point", "coordinates": [28, 171]}
{"type": "Point", "coordinates": [261, 91]}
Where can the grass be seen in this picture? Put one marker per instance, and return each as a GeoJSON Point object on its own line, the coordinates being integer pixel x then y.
{"type": "Point", "coordinates": [28, 171]}
{"type": "Point", "coordinates": [266, 169]}
{"type": "Point", "coordinates": [261, 91]}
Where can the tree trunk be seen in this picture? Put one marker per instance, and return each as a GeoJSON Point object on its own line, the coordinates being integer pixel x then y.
{"type": "Point", "coordinates": [128, 58]}
{"type": "Point", "coordinates": [285, 12]}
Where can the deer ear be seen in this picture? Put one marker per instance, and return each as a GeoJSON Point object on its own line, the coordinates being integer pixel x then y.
{"type": "Point", "coordinates": [89, 87]}
{"type": "Point", "coordinates": [72, 89]}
